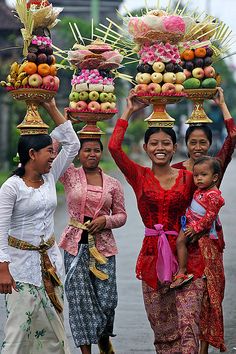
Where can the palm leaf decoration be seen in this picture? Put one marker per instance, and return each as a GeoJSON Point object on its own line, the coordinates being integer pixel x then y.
{"type": "Point", "coordinates": [26, 18]}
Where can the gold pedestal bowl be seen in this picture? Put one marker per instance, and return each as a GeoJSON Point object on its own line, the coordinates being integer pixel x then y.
{"type": "Point", "coordinates": [90, 130]}
{"type": "Point", "coordinates": [198, 96]}
{"type": "Point", "coordinates": [159, 117]}
{"type": "Point", "coordinates": [32, 123]}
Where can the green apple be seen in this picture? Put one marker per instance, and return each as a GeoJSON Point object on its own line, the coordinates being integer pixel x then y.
{"type": "Point", "coordinates": [83, 96]}
{"type": "Point", "coordinates": [74, 96]}
{"type": "Point", "coordinates": [93, 96]}
{"type": "Point", "coordinates": [103, 97]}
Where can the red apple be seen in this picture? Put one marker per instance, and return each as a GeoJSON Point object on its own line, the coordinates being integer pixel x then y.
{"type": "Point", "coordinates": [35, 80]}
{"type": "Point", "coordinates": [198, 73]}
{"type": "Point", "coordinates": [154, 88]}
{"type": "Point", "coordinates": [209, 71]}
{"type": "Point", "coordinates": [141, 88]}
{"type": "Point", "coordinates": [81, 106]}
{"type": "Point", "coordinates": [94, 106]}
{"type": "Point", "coordinates": [57, 83]}
{"type": "Point", "coordinates": [49, 81]}
{"type": "Point", "coordinates": [187, 73]}
{"type": "Point", "coordinates": [168, 87]}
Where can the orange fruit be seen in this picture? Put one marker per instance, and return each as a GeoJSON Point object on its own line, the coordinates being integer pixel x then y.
{"type": "Point", "coordinates": [44, 69]}
{"type": "Point", "coordinates": [188, 54]}
{"type": "Point", "coordinates": [200, 52]}
{"type": "Point", "coordinates": [30, 68]}
{"type": "Point", "coordinates": [53, 70]}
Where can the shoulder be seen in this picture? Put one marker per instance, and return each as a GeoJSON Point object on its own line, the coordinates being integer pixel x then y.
{"type": "Point", "coordinates": [113, 181]}
{"type": "Point", "coordinates": [11, 184]}
{"type": "Point", "coordinates": [179, 165]}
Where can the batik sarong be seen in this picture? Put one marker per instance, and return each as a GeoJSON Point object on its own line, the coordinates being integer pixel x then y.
{"type": "Point", "coordinates": [92, 301]}
{"type": "Point", "coordinates": [33, 325]}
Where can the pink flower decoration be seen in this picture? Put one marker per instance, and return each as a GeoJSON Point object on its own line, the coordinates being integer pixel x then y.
{"type": "Point", "coordinates": [174, 24]}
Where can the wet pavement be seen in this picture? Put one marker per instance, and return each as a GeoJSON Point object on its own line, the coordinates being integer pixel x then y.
{"type": "Point", "coordinates": [131, 326]}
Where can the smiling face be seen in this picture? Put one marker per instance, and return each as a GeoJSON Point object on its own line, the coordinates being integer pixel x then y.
{"type": "Point", "coordinates": [160, 148]}
{"type": "Point", "coordinates": [42, 159]}
{"type": "Point", "coordinates": [203, 175]}
{"type": "Point", "coordinates": [198, 144]}
{"type": "Point", "coordinates": [90, 154]}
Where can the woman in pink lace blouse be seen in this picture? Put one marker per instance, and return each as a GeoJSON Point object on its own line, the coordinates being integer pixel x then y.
{"type": "Point", "coordinates": [95, 204]}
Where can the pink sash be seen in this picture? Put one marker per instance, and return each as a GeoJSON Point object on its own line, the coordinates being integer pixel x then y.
{"type": "Point", "coordinates": [167, 264]}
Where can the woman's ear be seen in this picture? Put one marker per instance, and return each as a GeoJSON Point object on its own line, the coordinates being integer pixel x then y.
{"type": "Point", "coordinates": [145, 147]}
{"type": "Point", "coordinates": [32, 154]}
{"type": "Point", "coordinates": [175, 148]}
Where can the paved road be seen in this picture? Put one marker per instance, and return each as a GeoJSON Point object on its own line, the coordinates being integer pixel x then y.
{"type": "Point", "coordinates": [132, 328]}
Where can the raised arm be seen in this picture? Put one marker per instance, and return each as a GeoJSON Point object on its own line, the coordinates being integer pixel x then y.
{"type": "Point", "coordinates": [66, 136]}
{"type": "Point", "coordinates": [129, 168]}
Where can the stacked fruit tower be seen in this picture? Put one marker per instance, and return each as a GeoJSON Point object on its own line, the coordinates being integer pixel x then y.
{"type": "Point", "coordinates": [160, 76]}
{"type": "Point", "coordinates": [35, 78]}
{"type": "Point", "coordinates": [92, 96]}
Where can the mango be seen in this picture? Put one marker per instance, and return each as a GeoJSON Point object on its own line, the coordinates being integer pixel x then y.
{"type": "Point", "coordinates": [209, 83]}
{"type": "Point", "coordinates": [192, 83]}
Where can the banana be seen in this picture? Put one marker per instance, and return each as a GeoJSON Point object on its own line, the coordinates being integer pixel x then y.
{"type": "Point", "coordinates": [11, 79]}
{"type": "Point", "coordinates": [17, 84]}
{"type": "Point", "coordinates": [21, 76]}
{"type": "Point", "coordinates": [3, 83]}
{"type": "Point", "coordinates": [24, 82]}
{"type": "Point", "coordinates": [21, 67]}
{"type": "Point", "coordinates": [14, 68]}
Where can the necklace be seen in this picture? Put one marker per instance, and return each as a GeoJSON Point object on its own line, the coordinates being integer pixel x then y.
{"type": "Point", "coordinates": [30, 180]}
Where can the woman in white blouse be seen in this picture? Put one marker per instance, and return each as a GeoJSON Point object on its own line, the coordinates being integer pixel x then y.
{"type": "Point", "coordinates": [30, 261]}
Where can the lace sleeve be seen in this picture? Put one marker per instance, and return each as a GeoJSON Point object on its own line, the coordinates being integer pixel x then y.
{"type": "Point", "coordinates": [212, 203]}
{"type": "Point", "coordinates": [128, 167]}
{"type": "Point", "coordinates": [118, 214]}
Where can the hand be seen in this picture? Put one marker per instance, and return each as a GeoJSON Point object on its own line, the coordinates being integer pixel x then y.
{"type": "Point", "coordinates": [49, 104]}
{"type": "Point", "coordinates": [97, 224]}
{"type": "Point", "coordinates": [189, 232]}
{"type": "Point", "coordinates": [133, 105]}
{"type": "Point", "coordinates": [219, 97]}
{"type": "Point", "coordinates": [7, 283]}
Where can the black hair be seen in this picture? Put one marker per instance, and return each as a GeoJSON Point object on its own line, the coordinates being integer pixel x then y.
{"type": "Point", "coordinates": [153, 130]}
{"type": "Point", "coordinates": [82, 141]}
{"type": "Point", "coordinates": [27, 142]}
{"type": "Point", "coordinates": [206, 130]}
{"type": "Point", "coordinates": [213, 163]}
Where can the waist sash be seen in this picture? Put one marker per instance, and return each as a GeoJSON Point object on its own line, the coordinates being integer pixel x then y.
{"type": "Point", "coordinates": [167, 264]}
{"type": "Point", "coordinates": [50, 278]}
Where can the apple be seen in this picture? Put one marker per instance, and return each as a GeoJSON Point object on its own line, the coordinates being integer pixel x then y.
{"type": "Point", "coordinates": [110, 97]}
{"type": "Point", "coordinates": [209, 71]}
{"type": "Point", "coordinates": [198, 73]}
{"type": "Point", "coordinates": [187, 73]}
{"type": "Point", "coordinates": [81, 106]}
{"type": "Point", "coordinates": [141, 88]}
{"type": "Point", "coordinates": [113, 97]}
{"type": "Point", "coordinates": [35, 80]}
{"type": "Point", "coordinates": [157, 77]}
{"type": "Point", "coordinates": [83, 96]}
{"type": "Point", "coordinates": [49, 81]}
{"type": "Point", "coordinates": [113, 105]}
{"type": "Point", "coordinates": [154, 88]}
{"type": "Point", "coordinates": [94, 106]}
{"type": "Point", "coordinates": [158, 67]}
{"type": "Point", "coordinates": [168, 87]}
{"type": "Point", "coordinates": [105, 106]}
{"type": "Point", "coordinates": [57, 83]}
{"type": "Point", "coordinates": [73, 104]}
{"type": "Point", "coordinates": [42, 58]}
{"type": "Point", "coordinates": [180, 77]}
{"type": "Point", "coordinates": [145, 78]}
{"type": "Point", "coordinates": [169, 77]}
{"type": "Point", "coordinates": [137, 77]}
{"type": "Point", "coordinates": [103, 97]}
{"type": "Point", "coordinates": [93, 95]}
{"type": "Point", "coordinates": [179, 87]}
{"type": "Point", "coordinates": [74, 96]}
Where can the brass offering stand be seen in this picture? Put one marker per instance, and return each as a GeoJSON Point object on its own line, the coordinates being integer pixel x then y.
{"type": "Point", "coordinates": [159, 117]}
{"type": "Point", "coordinates": [198, 115]}
{"type": "Point", "coordinates": [32, 123]}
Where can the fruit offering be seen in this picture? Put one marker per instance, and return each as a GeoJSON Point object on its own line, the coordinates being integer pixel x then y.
{"type": "Point", "coordinates": [38, 68]}
{"type": "Point", "coordinates": [93, 84]}
{"type": "Point", "coordinates": [159, 70]}
{"type": "Point", "coordinates": [198, 69]}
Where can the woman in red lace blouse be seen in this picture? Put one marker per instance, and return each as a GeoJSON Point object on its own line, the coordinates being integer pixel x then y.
{"type": "Point", "coordinates": [198, 140]}
{"type": "Point", "coordinates": [163, 194]}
